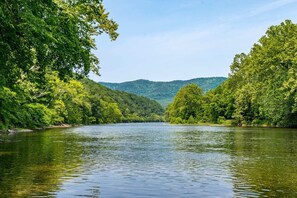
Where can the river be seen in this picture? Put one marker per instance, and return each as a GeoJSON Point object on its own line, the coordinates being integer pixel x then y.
{"type": "Point", "coordinates": [150, 160]}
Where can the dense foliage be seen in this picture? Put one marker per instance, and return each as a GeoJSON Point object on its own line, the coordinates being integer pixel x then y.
{"type": "Point", "coordinates": [261, 88]}
{"type": "Point", "coordinates": [186, 105]}
{"type": "Point", "coordinates": [73, 102]}
{"type": "Point", "coordinates": [133, 108]}
{"type": "Point", "coordinates": [163, 92]}
{"type": "Point", "coordinates": [45, 46]}
{"type": "Point", "coordinates": [37, 36]}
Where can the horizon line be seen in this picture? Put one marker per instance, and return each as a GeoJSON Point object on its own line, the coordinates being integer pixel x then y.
{"type": "Point", "coordinates": [156, 81]}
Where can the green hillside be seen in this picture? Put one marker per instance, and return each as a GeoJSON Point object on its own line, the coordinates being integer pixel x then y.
{"type": "Point", "coordinates": [134, 108]}
{"type": "Point", "coordinates": [163, 92]}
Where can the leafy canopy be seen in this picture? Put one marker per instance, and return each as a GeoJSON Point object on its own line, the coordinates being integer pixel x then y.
{"type": "Point", "coordinates": [187, 104]}
{"type": "Point", "coordinates": [261, 88]}
{"type": "Point", "coordinates": [37, 36]}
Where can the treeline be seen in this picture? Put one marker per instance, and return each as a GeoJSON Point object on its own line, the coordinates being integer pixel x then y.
{"type": "Point", "coordinates": [261, 88]}
{"type": "Point", "coordinates": [45, 48]}
{"type": "Point", "coordinates": [132, 108]}
{"type": "Point", "coordinates": [163, 92]}
{"type": "Point", "coordinates": [71, 102]}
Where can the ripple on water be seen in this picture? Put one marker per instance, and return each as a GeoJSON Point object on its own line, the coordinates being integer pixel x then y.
{"type": "Point", "coordinates": [152, 160]}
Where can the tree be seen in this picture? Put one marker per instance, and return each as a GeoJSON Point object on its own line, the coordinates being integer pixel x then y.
{"type": "Point", "coordinates": [263, 81]}
{"type": "Point", "coordinates": [39, 41]}
{"type": "Point", "coordinates": [187, 104]}
{"type": "Point", "coordinates": [261, 88]}
{"type": "Point", "coordinates": [37, 36]}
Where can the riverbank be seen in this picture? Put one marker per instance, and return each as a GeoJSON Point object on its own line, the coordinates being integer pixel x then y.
{"type": "Point", "coordinates": [227, 125]}
{"type": "Point", "coordinates": [21, 130]}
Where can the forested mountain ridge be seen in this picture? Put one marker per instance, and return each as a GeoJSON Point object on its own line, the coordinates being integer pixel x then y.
{"type": "Point", "coordinates": [133, 108]}
{"type": "Point", "coordinates": [163, 92]}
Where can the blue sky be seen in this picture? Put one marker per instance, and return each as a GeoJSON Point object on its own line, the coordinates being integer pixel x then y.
{"type": "Point", "coordinates": [164, 40]}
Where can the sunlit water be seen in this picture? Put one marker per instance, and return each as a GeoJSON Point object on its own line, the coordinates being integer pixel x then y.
{"type": "Point", "coordinates": [150, 160]}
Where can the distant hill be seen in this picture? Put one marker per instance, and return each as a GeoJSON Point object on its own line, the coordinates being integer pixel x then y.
{"type": "Point", "coordinates": [134, 108]}
{"type": "Point", "coordinates": [163, 92]}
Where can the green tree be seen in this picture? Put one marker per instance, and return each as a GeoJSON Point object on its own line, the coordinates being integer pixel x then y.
{"type": "Point", "coordinates": [265, 74]}
{"type": "Point", "coordinates": [36, 36]}
{"type": "Point", "coordinates": [39, 41]}
{"type": "Point", "coordinates": [218, 103]}
{"type": "Point", "coordinates": [187, 103]}
{"type": "Point", "coordinates": [261, 88]}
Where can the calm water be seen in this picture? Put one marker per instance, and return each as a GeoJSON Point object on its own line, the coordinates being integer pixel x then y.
{"type": "Point", "coordinates": [149, 160]}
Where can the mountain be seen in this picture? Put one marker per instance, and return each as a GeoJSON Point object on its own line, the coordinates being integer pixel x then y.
{"type": "Point", "coordinates": [163, 92]}
{"type": "Point", "coordinates": [134, 108]}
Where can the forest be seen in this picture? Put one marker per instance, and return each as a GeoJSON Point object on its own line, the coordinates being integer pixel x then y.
{"type": "Point", "coordinates": [163, 92]}
{"type": "Point", "coordinates": [261, 89]}
{"type": "Point", "coordinates": [46, 53]}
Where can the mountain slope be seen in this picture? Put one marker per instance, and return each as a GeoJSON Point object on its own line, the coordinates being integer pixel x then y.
{"type": "Point", "coordinates": [163, 92]}
{"type": "Point", "coordinates": [134, 108]}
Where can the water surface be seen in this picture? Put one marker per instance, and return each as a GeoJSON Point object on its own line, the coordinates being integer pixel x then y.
{"type": "Point", "coordinates": [150, 160]}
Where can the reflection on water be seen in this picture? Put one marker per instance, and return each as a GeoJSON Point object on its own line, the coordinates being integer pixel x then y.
{"type": "Point", "coordinates": [36, 163]}
{"type": "Point", "coordinates": [151, 159]}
